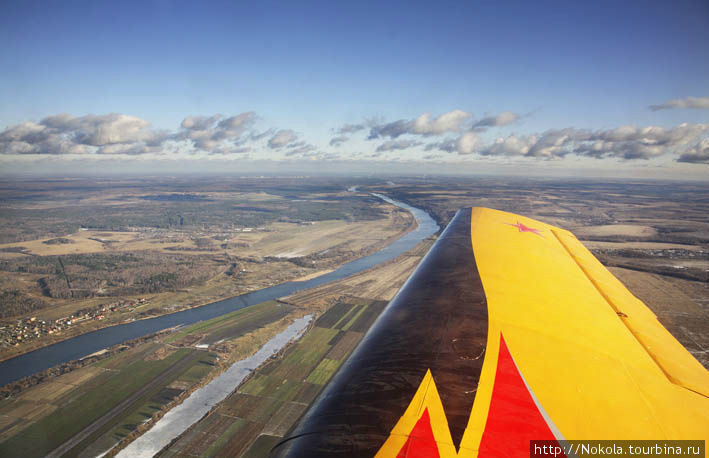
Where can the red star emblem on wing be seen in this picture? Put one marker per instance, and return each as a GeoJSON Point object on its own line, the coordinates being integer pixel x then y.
{"type": "Point", "coordinates": [522, 228]}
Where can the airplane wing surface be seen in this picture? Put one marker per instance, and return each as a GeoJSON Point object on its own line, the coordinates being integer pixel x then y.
{"type": "Point", "coordinates": [508, 331]}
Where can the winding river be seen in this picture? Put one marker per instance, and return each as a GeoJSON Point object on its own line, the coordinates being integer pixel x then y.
{"type": "Point", "coordinates": [85, 344]}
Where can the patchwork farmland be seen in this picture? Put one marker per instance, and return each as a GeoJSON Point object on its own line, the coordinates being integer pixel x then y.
{"type": "Point", "coordinates": [257, 415]}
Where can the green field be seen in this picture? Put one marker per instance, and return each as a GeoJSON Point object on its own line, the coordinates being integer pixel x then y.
{"type": "Point", "coordinates": [255, 417]}
{"type": "Point", "coordinates": [143, 408]}
{"type": "Point", "coordinates": [135, 384]}
{"type": "Point", "coordinates": [87, 407]}
{"type": "Point", "coordinates": [323, 372]}
{"type": "Point", "coordinates": [234, 324]}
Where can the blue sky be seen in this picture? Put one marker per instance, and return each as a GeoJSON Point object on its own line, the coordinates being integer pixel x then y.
{"type": "Point", "coordinates": [313, 67]}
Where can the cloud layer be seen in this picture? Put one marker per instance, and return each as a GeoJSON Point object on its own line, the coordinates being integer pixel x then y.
{"type": "Point", "coordinates": [66, 134]}
{"type": "Point", "coordinates": [698, 154]}
{"type": "Point", "coordinates": [282, 138]}
{"type": "Point", "coordinates": [394, 145]}
{"type": "Point", "coordinates": [625, 142]}
{"type": "Point", "coordinates": [502, 119]}
{"type": "Point", "coordinates": [688, 102]}
{"type": "Point", "coordinates": [124, 134]}
{"type": "Point", "coordinates": [215, 134]}
{"type": "Point", "coordinates": [421, 138]}
{"type": "Point", "coordinates": [425, 125]}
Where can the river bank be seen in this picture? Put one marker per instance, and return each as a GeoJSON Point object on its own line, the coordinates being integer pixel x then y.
{"type": "Point", "coordinates": [85, 344]}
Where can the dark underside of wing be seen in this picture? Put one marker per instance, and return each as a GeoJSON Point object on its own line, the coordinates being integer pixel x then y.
{"type": "Point", "coordinates": [425, 327]}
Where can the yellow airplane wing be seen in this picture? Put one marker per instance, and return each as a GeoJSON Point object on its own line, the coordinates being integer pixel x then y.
{"type": "Point", "coordinates": [509, 331]}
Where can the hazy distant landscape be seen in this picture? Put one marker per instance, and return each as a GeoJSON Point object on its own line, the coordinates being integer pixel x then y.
{"type": "Point", "coordinates": [88, 252]}
{"type": "Point", "coordinates": [95, 252]}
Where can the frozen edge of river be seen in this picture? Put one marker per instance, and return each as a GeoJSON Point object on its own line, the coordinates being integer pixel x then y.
{"type": "Point", "coordinates": [201, 401]}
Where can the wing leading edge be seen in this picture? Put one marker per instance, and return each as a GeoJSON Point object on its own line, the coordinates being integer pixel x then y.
{"type": "Point", "coordinates": [508, 331]}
